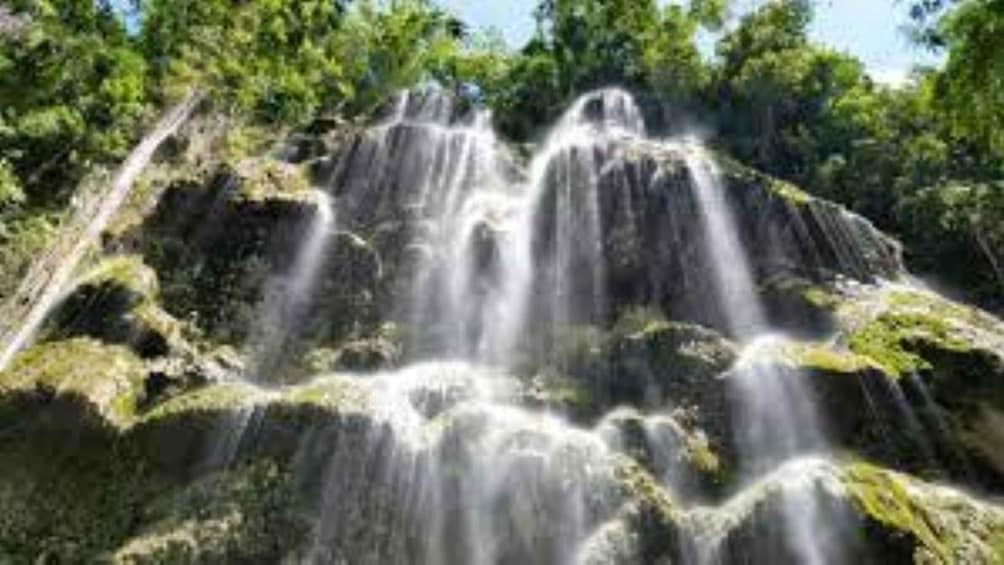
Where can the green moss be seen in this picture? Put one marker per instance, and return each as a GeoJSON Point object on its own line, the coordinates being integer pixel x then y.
{"type": "Point", "coordinates": [788, 191]}
{"type": "Point", "coordinates": [271, 179]}
{"type": "Point", "coordinates": [333, 393]}
{"type": "Point", "coordinates": [652, 515]}
{"type": "Point", "coordinates": [222, 397]}
{"type": "Point", "coordinates": [820, 297]}
{"type": "Point", "coordinates": [552, 390]}
{"type": "Point", "coordinates": [116, 302]}
{"type": "Point", "coordinates": [822, 357]}
{"type": "Point", "coordinates": [151, 316]}
{"type": "Point", "coordinates": [639, 320]}
{"type": "Point", "coordinates": [110, 377]}
{"type": "Point", "coordinates": [946, 525]}
{"type": "Point", "coordinates": [892, 338]}
{"type": "Point", "coordinates": [882, 497]}
{"type": "Point", "coordinates": [249, 514]}
{"type": "Point", "coordinates": [640, 486]}
{"type": "Point", "coordinates": [743, 174]}
{"type": "Point", "coordinates": [127, 271]}
{"type": "Point", "coordinates": [701, 456]}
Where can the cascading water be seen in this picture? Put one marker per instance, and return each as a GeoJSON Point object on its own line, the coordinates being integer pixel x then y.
{"type": "Point", "coordinates": [451, 172]}
{"type": "Point", "coordinates": [733, 278]}
{"type": "Point", "coordinates": [289, 297]}
{"type": "Point", "coordinates": [557, 249]}
{"type": "Point", "coordinates": [459, 475]}
{"type": "Point", "coordinates": [486, 242]}
{"type": "Point", "coordinates": [469, 476]}
{"type": "Point", "coordinates": [492, 264]}
{"type": "Point", "coordinates": [43, 286]}
{"type": "Point", "coordinates": [776, 418]}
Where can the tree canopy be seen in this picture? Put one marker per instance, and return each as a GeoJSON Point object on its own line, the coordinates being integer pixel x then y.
{"type": "Point", "coordinates": [924, 160]}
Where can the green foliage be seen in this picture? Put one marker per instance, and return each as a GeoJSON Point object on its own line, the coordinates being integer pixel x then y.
{"type": "Point", "coordinates": [581, 45]}
{"type": "Point", "coordinates": [284, 62]}
{"type": "Point", "coordinates": [72, 91]}
{"type": "Point", "coordinates": [598, 43]}
{"type": "Point", "coordinates": [814, 117]}
{"type": "Point", "coordinates": [11, 193]}
{"type": "Point", "coordinates": [972, 82]}
{"type": "Point", "coordinates": [23, 238]}
{"type": "Point", "coordinates": [959, 228]}
{"type": "Point", "coordinates": [76, 90]}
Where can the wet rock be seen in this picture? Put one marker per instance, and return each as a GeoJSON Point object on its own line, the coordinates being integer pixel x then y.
{"type": "Point", "coordinates": [652, 364]}
{"type": "Point", "coordinates": [115, 303]}
{"type": "Point", "coordinates": [868, 515]}
{"type": "Point", "coordinates": [800, 306]}
{"type": "Point", "coordinates": [221, 245]}
{"type": "Point", "coordinates": [109, 378]}
{"type": "Point", "coordinates": [654, 248]}
{"type": "Point", "coordinates": [947, 361]}
{"type": "Point", "coordinates": [669, 446]}
{"type": "Point", "coordinates": [249, 514]}
{"type": "Point", "coordinates": [382, 351]}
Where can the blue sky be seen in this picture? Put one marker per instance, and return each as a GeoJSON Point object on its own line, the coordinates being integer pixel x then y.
{"type": "Point", "coordinates": [868, 29]}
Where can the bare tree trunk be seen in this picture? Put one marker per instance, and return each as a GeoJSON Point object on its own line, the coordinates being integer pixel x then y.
{"type": "Point", "coordinates": [988, 252]}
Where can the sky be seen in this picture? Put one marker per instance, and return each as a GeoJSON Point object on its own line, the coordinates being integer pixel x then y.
{"type": "Point", "coordinates": [871, 30]}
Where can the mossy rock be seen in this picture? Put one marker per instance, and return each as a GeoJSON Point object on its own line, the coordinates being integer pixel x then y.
{"type": "Point", "coordinates": [645, 362]}
{"type": "Point", "coordinates": [116, 302]}
{"type": "Point", "coordinates": [109, 377]}
{"type": "Point", "coordinates": [225, 261]}
{"type": "Point", "coordinates": [948, 360]}
{"type": "Point", "coordinates": [940, 524]}
{"type": "Point", "coordinates": [867, 410]}
{"type": "Point", "coordinates": [551, 390]}
{"type": "Point", "coordinates": [676, 365]}
{"type": "Point", "coordinates": [85, 481]}
{"type": "Point", "coordinates": [382, 351]}
{"type": "Point", "coordinates": [248, 514]}
{"type": "Point", "coordinates": [213, 251]}
{"type": "Point", "coordinates": [266, 179]}
{"type": "Point", "coordinates": [651, 515]}
{"type": "Point", "coordinates": [798, 305]}
{"type": "Point", "coordinates": [671, 448]}
{"type": "Point", "coordinates": [68, 486]}
{"type": "Point", "coordinates": [861, 514]}
{"type": "Point", "coordinates": [661, 362]}
{"type": "Point", "coordinates": [896, 326]}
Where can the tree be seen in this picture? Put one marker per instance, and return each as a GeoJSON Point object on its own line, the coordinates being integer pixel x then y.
{"type": "Point", "coordinates": [955, 229]}
{"type": "Point", "coordinates": [72, 93]}
{"type": "Point", "coordinates": [972, 81]}
{"type": "Point", "coordinates": [285, 61]}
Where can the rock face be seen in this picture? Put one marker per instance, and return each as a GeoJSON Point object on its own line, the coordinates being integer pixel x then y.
{"type": "Point", "coordinates": [654, 242]}
{"type": "Point", "coordinates": [170, 412]}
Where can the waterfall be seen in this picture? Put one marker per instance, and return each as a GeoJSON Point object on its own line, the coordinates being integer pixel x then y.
{"type": "Point", "coordinates": [457, 456]}
{"type": "Point", "coordinates": [45, 283]}
{"type": "Point", "coordinates": [488, 243]}
{"type": "Point", "coordinates": [557, 243]}
{"type": "Point", "coordinates": [288, 298]}
{"type": "Point", "coordinates": [776, 420]}
{"type": "Point", "coordinates": [448, 171]}
{"type": "Point", "coordinates": [733, 277]}
{"type": "Point", "coordinates": [455, 473]}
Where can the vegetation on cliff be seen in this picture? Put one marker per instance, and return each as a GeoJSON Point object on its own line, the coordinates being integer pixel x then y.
{"type": "Point", "coordinates": [127, 436]}
{"type": "Point", "coordinates": [923, 160]}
